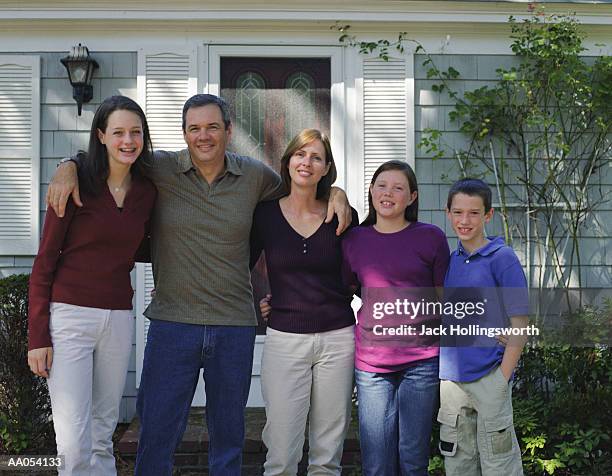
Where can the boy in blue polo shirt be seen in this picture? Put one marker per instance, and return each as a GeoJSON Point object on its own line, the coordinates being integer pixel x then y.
{"type": "Point", "coordinates": [477, 434]}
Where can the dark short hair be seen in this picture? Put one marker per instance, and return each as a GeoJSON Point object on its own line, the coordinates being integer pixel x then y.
{"type": "Point", "coordinates": [412, 211]}
{"type": "Point", "coordinates": [472, 187]}
{"type": "Point", "coordinates": [200, 100]}
{"type": "Point", "coordinates": [299, 141]}
{"type": "Point", "coordinates": [94, 168]}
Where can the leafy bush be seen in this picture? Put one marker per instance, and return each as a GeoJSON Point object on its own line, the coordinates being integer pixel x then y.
{"type": "Point", "coordinates": [25, 409]}
{"type": "Point", "coordinates": [563, 404]}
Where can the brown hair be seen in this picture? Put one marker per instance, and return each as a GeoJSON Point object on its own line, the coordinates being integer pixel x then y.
{"type": "Point", "coordinates": [473, 188]}
{"type": "Point", "coordinates": [299, 141]}
{"type": "Point", "coordinates": [412, 211]}
{"type": "Point", "coordinates": [94, 168]}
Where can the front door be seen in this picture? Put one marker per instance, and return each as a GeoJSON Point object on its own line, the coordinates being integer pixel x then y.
{"type": "Point", "coordinates": [271, 100]}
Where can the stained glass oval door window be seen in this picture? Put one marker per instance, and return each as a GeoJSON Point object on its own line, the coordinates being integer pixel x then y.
{"type": "Point", "coordinates": [249, 120]}
{"type": "Point", "coordinates": [272, 99]}
{"type": "Point", "coordinates": [300, 104]}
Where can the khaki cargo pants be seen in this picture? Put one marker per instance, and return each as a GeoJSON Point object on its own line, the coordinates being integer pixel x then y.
{"type": "Point", "coordinates": [477, 432]}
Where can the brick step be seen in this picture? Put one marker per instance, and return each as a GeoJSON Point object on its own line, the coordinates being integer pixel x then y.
{"type": "Point", "coordinates": [191, 457]}
{"type": "Point", "coordinates": [257, 471]}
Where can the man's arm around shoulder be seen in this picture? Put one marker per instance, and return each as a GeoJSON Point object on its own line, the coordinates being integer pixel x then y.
{"type": "Point", "coordinates": [64, 183]}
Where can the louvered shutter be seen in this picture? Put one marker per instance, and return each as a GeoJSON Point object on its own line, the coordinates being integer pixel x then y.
{"type": "Point", "coordinates": [385, 114]}
{"type": "Point", "coordinates": [19, 154]}
{"type": "Point", "coordinates": [170, 79]}
{"type": "Point", "coordinates": [165, 81]}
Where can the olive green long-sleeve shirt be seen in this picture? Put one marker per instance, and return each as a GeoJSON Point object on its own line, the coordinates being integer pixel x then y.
{"type": "Point", "coordinates": [200, 239]}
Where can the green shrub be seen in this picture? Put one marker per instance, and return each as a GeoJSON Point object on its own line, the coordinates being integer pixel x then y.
{"type": "Point", "coordinates": [563, 404]}
{"type": "Point", "coordinates": [563, 420]}
{"type": "Point", "coordinates": [25, 409]}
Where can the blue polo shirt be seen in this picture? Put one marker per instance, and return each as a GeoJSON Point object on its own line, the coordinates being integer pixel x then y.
{"type": "Point", "coordinates": [495, 274]}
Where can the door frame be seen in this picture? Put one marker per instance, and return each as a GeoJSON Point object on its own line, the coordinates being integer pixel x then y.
{"type": "Point", "coordinates": [212, 85]}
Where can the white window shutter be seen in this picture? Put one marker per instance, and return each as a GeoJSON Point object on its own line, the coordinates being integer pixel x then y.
{"type": "Point", "coordinates": [166, 79]}
{"type": "Point", "coordinates": [386, 109]}
{"type": "Point", "coordinates": [19, 154]}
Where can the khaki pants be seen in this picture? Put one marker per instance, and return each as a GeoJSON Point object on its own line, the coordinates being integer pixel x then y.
{"type": "Point", "coordinates": [477, 434]}
{"type": "Point", "coordinates": [307, 377]}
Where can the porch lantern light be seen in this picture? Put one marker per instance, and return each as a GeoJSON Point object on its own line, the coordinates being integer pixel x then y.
{"type": "Point", "coordinates": [80, 67]}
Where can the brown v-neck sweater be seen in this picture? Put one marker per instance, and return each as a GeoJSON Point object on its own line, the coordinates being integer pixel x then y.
{"type": "Point", "coordinates": [305, 273]}
{"type": "Point", "coordinates": [86, 257]}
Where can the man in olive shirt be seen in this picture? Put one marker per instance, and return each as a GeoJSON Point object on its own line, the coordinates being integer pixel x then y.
{"type": "Point", "coordinates": [202, 314]}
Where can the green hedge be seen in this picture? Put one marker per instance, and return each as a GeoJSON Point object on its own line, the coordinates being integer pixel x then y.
{"type": "Point", "coordinates": [563, 403]}
{"type": "Point", "coordinates": [25, 409]}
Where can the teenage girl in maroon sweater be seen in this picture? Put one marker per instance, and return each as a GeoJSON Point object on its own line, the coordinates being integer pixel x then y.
{"type": "Point", "coordinates": [80, 310]}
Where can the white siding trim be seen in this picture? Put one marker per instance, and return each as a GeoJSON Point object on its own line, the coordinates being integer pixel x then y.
{"type": "Point", "coordinates": [363, 10]}
{"type": "Point", "coordinates": [354, 129]}
{"type": "Point", "coordinates": [410, 112]}
{"type": "Point", "coordinates": [105, 37]}
{"type": "Point", "coordinates": [19, 154]}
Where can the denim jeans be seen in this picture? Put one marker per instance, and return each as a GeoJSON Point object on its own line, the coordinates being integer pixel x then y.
{"type": "Point", "coordinates": [174, 354]}
{"type": "Point", "coordinates": [396, 411]}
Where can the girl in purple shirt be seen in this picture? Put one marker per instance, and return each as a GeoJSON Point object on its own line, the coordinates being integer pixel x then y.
{"type": "Point", "coordinates": [392, 256]}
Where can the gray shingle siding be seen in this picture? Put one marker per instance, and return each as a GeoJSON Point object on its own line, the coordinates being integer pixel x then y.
{"type": "Point", "coordinates": [431, 110]}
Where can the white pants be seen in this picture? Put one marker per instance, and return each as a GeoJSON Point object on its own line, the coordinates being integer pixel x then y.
{"type": "Point", "coordinates": [307, 376]}
{"type": "Point", "coordinates": [91, 352]}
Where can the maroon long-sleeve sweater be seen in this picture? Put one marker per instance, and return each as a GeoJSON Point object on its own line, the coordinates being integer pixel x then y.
{"type": "Point", "coordinates": [86, 257]}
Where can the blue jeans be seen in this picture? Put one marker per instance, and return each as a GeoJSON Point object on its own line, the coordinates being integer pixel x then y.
{"type": "Point", "coordinates": [396, 411]}
{"type": "Point", "coordinates": [174, 354]}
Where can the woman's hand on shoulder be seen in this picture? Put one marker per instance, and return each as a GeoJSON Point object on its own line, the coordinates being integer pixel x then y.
{"type": "Point", "coordinates": [40, 361]}
{"type": "Point", "coordinates": [264, 306]}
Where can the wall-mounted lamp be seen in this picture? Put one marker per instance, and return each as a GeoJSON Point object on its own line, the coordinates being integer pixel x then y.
{"type": "Point", "coordinates": [80, 67]}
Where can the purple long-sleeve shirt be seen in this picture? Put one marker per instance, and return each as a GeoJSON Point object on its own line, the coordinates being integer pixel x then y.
{"type": "Point", "coordinates": [305, 273]}
{"type": "Point", "coordinates": [388, 264]}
